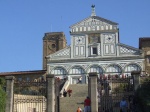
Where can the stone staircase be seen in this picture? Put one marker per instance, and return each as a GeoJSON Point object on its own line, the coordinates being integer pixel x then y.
{"type": "Point", "coordinates": [79, 93]}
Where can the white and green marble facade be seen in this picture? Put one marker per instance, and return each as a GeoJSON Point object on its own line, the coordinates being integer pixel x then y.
{"type": "Point", "coordinates": [95, 47]}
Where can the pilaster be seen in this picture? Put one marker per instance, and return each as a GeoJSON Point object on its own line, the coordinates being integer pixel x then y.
{"type": "Point", "coordinates": [136, 79]}
{"type": "Point", "coordinates": [102, 49]}
{"type": "Point", "coordinates": [9, 92]}
{"type": "Point", "coordinates": [93, 92]}
{"type": "Point", "coordinates": [50, 93]}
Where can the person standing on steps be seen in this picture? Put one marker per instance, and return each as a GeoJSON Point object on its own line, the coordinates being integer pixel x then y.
{"type": "Point", "coordinates": [65, 93]}
{"type": "Point", "coordinates": [69, 92]}
{"type": "Point", "coordinates": [80, 80]}
{"type": "Point", "coordinates": [123, 105]}
{"type": "Point", "coordinates": [87, 105]}
{"type": "Point", "coordinates": [79, 109]}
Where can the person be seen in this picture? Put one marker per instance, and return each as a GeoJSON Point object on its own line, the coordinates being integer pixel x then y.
{"type": "Point", "coordinates": [123, 105]}
{"type": "Point", "coordinates": [65, 93]}
{"type": "Point", "coordinates": [69, 92]}
{"type": "Point", "coordinates": [80, 80]}
{"type": "Point", "coordinates": [79, 109]}
{"type": "Point", "coordinates": [87, 105]}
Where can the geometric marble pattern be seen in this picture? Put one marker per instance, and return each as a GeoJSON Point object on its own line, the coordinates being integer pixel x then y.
{"type": "Point", "coordinates": [64, 52]}
{"type": "Point", "coordinates": [126, 50]}
{"type": "Point", "coordinates": [33, 99]}
{"type": "Point", "coordinates": [122, 65]}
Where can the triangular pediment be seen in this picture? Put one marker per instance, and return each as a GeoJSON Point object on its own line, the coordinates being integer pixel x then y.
{"type": "Point", "coordinates": [92, 19]}
{"type": "Point", "coordinates": [93, 23]}
{"type": "Point", "coordinates": [64, 53]}
{"type": "Point", "coordinates": [128, 50]}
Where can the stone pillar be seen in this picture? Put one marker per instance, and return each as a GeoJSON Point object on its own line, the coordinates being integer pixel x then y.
{"type": "Point", "coordinates": [9, 92]}
{"type": "Point", "coordinates": [50, 93]}
{"type": "Point", "coordinates": [93, 92]}
{"type": "Point", "coordinates": [89, 87]}
{"type": "Point", "coordinates": [136, 79]}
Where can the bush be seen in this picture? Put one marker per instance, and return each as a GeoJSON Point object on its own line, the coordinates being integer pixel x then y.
{"type": "Point", "coordinates": [143, 94]}
{"type": "Point", "coordinates": [122, 87]}
{"type": "Point", "coordinates": [2, 95]}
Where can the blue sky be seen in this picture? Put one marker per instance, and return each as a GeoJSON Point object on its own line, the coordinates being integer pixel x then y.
{"type": "Point", "coordinates": [24, 22]}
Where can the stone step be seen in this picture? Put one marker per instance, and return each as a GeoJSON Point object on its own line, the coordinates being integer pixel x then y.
{"type": "Point", "coordinates": [79, 93]}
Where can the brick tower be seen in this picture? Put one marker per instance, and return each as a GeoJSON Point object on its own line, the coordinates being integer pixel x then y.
{"type": "Point", "coordinates": [52, 42]}
{"type": "Point", "coordinates": [144, 44]}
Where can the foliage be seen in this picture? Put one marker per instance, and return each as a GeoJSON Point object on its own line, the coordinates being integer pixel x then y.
{"type": "Point", "coordinates": [2, 95]}
{"type": "Point", "coordinates": [121, 88]}
{"type": "Point", "coordinates": [2, 82]}
{"type": "Point", "coordinates": [143, 94]}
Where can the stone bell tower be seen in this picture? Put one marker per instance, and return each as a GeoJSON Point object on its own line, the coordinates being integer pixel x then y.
{"type": "Point", "coordinates": [52, 42]}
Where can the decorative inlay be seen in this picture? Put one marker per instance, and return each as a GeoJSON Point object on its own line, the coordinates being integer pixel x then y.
{"type": "Point", "coordinates": [139, 63]}
{"type": "Point", "coordinates": [67, 67]}
{"type": "Point", "coordinates": [79, 40]}
{"type": "Point", "coordinates": [122, 64]}
{"type": "Point", "coordinates": [126, 50]}
{"type": "Point", "coordinates": [109, 38]}
{"type": "Point", "coordinates": [104, 65]}
{"type": "Point", "coordinates": [85, 66]}
{"type": "Point", "coordinates": [64, 52]}
{"type": "Point", "coordinates": [33, 99]}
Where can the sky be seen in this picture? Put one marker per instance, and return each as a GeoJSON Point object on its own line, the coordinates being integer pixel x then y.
{"type": "Point", "coordinates": [24, 22]}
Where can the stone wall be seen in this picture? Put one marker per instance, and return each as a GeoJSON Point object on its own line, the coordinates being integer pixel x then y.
{"type": "Point", "coordinates": [144, 45]}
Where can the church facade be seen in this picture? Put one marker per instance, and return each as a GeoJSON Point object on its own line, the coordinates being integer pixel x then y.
{"type": "Point", "coordinates": [95, 47]}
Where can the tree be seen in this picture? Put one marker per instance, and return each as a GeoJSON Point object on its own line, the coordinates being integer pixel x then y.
{"type": "Point", "coordinates": [2, 95]}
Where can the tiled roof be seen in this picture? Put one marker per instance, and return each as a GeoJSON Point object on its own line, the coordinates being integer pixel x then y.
{"type": "Point", "coordinates": [23, 72]}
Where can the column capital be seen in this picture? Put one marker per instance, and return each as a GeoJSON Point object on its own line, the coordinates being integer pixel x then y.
{"type": "Point", "coordinates": [50, 76]}
{"type": "Point", "coordinates": [9, 77]}
{"type": "Point", "coordinates": [135, 72]}
{"type": "Point", "coordinates": [93, 74]}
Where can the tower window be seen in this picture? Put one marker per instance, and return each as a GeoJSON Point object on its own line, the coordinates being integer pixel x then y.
{"type": "Point", "coordinates": [94, 50]}
{"type": "Point", "coordinates": [53, 45]}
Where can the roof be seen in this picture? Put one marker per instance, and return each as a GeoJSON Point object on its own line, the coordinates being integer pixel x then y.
{"type": "Point", "coordinates": [34, 72]}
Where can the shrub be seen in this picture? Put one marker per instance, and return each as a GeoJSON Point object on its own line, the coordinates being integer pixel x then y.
{"type": "Point", "coordinates": [2, 95]}
{"type": "Point", "coordinates": [143, 94]}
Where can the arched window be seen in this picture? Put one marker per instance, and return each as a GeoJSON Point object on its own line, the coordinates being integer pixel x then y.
{"type": "Point", "coordinates": [77, 70]}
{"type": "Point", "coordinates": [132, 67]}
{"type": "Point", "coordinates": [59, 71]}
{"type": "Point", "coordinates": [113, 69]}
{"type": "Point", "coordinates": [95, 68]}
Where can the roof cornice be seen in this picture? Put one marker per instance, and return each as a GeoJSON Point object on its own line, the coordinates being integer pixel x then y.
{"type": "Point", "coordinates": [96, 59]}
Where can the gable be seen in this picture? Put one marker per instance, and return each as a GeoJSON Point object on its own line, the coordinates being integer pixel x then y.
{"type": "Point", "coordinates": [93, 23]}
{"type": "Point", "coordinates": [61, 54]}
